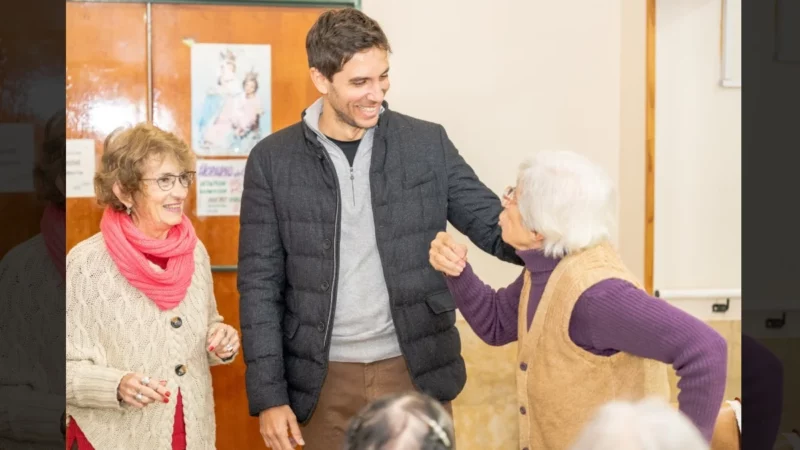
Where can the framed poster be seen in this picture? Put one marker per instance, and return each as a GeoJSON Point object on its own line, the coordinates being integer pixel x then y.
{"type": "Point", "coordinates": [231, 97]}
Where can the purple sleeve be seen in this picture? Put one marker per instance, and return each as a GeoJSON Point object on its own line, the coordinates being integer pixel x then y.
{"type": "Point", "coordinates": [492, 315]}
{"type": "Point", "coordinates": [621, 317]}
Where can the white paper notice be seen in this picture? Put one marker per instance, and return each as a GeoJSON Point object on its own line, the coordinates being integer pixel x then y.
{"type": "Point", "coordinates": [80, 167]}
{"type": "Point", "coordinates": [219, 186]}
{"type": "Point", "coordinates": [16, 157]}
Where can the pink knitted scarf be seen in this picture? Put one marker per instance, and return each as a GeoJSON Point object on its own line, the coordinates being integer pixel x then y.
{"type": "Point", "coordinates": [128, 247]}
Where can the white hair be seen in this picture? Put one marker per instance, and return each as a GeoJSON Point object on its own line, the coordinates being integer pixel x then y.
{"type": "Point", "coordinates": [650, 424]}
{"type": "Point", "coordinates": [567, 199]}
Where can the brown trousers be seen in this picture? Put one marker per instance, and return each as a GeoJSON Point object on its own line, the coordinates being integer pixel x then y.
{"type": "Point", "coordinates": [347, 388]}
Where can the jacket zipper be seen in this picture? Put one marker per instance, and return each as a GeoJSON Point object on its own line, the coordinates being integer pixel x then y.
{"type": "Point", "coordinates": [353, 185]}
{"type": "Point", "coordinates": [335, 252]}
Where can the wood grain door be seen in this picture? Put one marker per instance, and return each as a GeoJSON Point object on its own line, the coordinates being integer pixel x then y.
{"type": "Point", "coordinates": [107, 88]}
{"type": "Point", "coordinates": [284, 29]}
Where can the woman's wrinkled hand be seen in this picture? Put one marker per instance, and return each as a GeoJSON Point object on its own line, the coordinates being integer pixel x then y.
{"type": "Point", "coordinates": [139, 390]}
{"type": "Point", "coordinates": [224, 341]}
{"type": "Point", "coordinates": [448, 256]}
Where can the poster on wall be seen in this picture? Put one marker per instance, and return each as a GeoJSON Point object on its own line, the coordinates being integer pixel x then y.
{"type": "Point", "coordinates": [219, 186]}
{"type": "Point", "coordinates": [80, 164]}
{"type": "Point", "coordinates": [16, 157]}
{"type": "Point", "coordinates": [231, 97]}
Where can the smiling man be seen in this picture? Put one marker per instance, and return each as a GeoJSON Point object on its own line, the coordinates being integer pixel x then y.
{"type": "Point", "coordinates": [339, 305]}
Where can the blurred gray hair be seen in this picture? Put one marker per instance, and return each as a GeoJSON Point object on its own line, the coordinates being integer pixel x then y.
{"type": "Point", "coordinates": [567, 199]}
{"type": "Point", "coordinates": [401, 421]}
{"type": "Point", "coordinates": [649, 424]}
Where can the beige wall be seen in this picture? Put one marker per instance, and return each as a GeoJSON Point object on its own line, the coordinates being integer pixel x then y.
{"type": "Point", "coordinates": [698, 153]}
{"type": "Point", "coordinates": [507, 78]}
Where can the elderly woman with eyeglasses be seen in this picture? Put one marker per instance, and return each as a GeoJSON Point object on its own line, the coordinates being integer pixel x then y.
{"type": "Point", "coordinates": [142, 321]}
{"type": "Point", "coordinates": [587, 333]}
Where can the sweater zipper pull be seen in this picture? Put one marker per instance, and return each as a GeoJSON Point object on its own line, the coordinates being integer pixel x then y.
{"type": "Point", "coordinates": [353, 185]}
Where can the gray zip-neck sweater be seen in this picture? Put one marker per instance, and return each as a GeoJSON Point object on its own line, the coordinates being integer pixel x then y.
{"type": "Point", "coordinates": [363, 330]}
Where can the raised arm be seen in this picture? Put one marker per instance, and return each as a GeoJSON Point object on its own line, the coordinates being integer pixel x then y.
{"type": "Point", "coordinates": [261, 283]}
{"type": "Point", "coordinates": [473, 208]}
{"type": "Point", "coordinates": [491, 314]}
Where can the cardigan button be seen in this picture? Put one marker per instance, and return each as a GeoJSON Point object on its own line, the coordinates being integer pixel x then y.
{"type": "Point", "coordinates": [325, 285]}
{"type": "Point", "coordinates": [522, 410]}
{"type": "Point", "coordinates": [176, 322]}
{"type": "Point", "coordinates": [523, 367]}
{"type": "Point", "coordinates": [321, 326]}
{"type": "Point", "coordinates": [326, 244]}
{"type": "Point", "coordinates": [180, 370]}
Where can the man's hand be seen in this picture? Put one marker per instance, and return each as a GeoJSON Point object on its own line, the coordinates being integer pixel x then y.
{"type": "Point", "coordinates": [448, 256]}
{"type": "Point", "coordinates": [275, 424]}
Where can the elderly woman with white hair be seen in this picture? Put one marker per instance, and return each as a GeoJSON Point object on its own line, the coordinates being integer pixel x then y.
{"type": "Point", "coordinates": [586, 330]}
{"type": "Point", "coordinates": [649, 424]}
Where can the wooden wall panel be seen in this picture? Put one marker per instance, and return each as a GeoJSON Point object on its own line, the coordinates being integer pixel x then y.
{"type": "Point", "coordinates": [106, 86]}
{"type": "Point", "coordinates": [285, 30]}
{"type": "Point", "coordinates": [650, 147]}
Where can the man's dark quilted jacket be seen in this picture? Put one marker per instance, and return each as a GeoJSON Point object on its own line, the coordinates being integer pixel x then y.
{"type": "Point", "coordinates": [289, 250]}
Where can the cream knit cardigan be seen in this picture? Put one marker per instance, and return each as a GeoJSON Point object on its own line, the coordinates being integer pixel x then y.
{"type": "Point", "coordinates": [114, 329]}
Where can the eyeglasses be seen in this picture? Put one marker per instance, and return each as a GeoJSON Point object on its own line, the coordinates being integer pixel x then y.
{"type": "Point", "coordinates": [509, 195]}
{"type": "Point", "coordinates": [167, 182]}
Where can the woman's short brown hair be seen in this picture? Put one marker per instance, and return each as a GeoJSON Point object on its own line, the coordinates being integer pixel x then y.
{"type": "Point", "coordinates": [126, 152]}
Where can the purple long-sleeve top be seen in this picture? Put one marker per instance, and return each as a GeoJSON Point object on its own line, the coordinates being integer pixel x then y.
{"type": "Point", "coordinates": [611, 316]}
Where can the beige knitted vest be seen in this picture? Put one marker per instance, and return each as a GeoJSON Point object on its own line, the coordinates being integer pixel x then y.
{"type": "Point", "coordinates": [113, 329]}
{"type": "Point", "coordinates": [562, 384]}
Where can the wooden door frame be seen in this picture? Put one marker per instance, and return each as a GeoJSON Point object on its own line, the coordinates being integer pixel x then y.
{"type": "Point", "coordinates": [297, 3]}
{"type": "Point", "coordinates": [650, 145]}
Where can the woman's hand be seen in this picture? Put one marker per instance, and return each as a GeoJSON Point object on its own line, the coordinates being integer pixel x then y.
{"type": "Point", "coordinates": [224, 341]}
{"type": "Point", "coordinates": [448, 256]}
{"type": "Point", "coordinates": [139, 390]}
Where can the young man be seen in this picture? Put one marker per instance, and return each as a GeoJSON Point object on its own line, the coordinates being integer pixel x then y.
{"type": "Point", "coordinates": [339, 305]}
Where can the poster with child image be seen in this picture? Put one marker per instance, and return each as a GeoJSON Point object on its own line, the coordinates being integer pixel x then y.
{"type": "Point", "coordinates": [231, 97]}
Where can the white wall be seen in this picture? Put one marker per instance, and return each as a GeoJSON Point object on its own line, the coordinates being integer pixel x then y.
{"type": "Point", "coordinates": [509, 77]}
{"type": "Point", "coordinates": [698, 153]}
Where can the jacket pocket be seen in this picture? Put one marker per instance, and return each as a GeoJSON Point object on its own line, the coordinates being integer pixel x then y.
{"type": "Point", "coordinates": [290, 325]}
{"type": "Point", "coordinates": [415, 180]}
{"type": "Point", "coordinates": [441, 302]}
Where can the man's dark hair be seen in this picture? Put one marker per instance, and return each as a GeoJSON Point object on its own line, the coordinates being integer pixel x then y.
{"type": "Point", "coordinates": [339, 34]}
{"type": "Point", "coordinates": [409, 421]}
